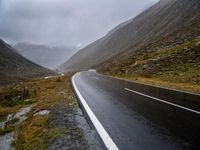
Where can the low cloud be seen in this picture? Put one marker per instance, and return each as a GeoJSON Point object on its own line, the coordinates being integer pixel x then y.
{"type": "Point", "coordinates": [64, 22]}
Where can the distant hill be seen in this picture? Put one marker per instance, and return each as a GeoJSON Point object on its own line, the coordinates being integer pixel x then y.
{"type": "Point", "coordinates": [43, 55]}
{"type": "Point", "coordinates": [165, 24]}
{"type": "Point", "coordinates": [14, 67]}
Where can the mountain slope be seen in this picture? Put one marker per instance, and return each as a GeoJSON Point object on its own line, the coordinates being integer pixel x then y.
{"type": "Point", "coordinates": [46, 56]}
{"type": "Point", "coordinates": [14, 67]}
{"type": "Point", "coordinates": [173, 57]}
{"type": "Point", "coordinates": [165, 18]}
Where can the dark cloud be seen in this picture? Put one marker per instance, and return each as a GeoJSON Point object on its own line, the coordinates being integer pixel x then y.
{"type": "Point", "coordinates": [64, 22]}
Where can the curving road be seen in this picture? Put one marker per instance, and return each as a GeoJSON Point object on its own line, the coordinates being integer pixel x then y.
{"type": "Point", "coordinates": [135, 120]}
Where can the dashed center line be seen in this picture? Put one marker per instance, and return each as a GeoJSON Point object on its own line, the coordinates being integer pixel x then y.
{"type": "Point", "coordinates": [163, 101]}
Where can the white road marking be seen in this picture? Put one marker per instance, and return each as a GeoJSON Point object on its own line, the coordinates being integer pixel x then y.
{"type": "Point", "coordinates": [100, 129]}
{"type": "Point", "coordinates": [163, 101]}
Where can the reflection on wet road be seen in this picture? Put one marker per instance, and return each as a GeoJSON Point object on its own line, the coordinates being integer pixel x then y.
{"type": "Point", "coordinates": [134, 121]}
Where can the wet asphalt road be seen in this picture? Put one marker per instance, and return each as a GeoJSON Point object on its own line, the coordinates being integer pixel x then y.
{"type": "Point", "coordinates": [136, 122]}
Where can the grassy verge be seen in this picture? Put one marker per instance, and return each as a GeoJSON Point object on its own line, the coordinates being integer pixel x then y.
{"type": "Point", "coordinates": [161, 83]}
{"type": "Point", "coordinates": [12, 99]}
{"type": "Point", "coordinates": [35, 132]}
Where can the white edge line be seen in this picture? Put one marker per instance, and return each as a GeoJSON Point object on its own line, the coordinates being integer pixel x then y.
{"type": "Point", "coordinates": [163, 101]}
{"type": "Point", "coordinates": [100, 129]}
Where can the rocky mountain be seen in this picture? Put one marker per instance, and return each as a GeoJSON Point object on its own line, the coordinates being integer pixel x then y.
{"type": "Point", "coordinates": [14, 67]}
{"type": "Point", "coordinates": [167, 23]}
{"type": "Point", "coordinates": [43, 55]}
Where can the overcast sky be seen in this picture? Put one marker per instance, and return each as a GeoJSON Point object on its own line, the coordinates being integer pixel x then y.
{"type": "Point", "coordinates": [64, 22]}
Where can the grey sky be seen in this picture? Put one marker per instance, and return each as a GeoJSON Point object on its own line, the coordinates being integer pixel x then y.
{"type": "Point", "coordinates": [64, 22]}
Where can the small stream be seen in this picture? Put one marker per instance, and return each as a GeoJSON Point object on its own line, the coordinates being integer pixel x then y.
{"type": "Point", "coordinates": [6, 140]}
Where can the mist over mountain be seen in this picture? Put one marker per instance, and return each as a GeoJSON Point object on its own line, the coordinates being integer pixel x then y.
{"type": "Point", "coordinates": [178, 18]}
{"type": "Point", "coordinates": [46, 56]}
{"type": "Point", "coordinates": [14, 67]}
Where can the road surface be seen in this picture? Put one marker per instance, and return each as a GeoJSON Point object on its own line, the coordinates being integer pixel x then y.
{"type": "Point", "coordinates": [134, 120]}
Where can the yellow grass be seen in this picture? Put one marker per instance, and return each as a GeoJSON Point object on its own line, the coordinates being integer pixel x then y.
{"type": "Point", "coordinates": [158, 82]}
{"type": "Point", "coordinates": [33, 132]}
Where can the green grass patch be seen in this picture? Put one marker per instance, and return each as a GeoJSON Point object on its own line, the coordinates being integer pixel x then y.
{"type": "Point", "coordinates": [13, 121]}
{"type": "Point", "coordinates": [53, 133]}
{"type": "Point", "coordinates": [7, 129]}
{"type": "Point", "coordinates": [16, 101]}
{"type": "Point", "coordinates": [170, 51]}
{"type": "Point", "coordinates": [2, 118]}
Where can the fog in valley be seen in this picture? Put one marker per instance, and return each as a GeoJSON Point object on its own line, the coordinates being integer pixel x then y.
{"type": "Point", "coordinates": [62, 26]}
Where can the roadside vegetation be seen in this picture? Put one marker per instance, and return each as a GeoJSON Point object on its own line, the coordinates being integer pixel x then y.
{"type": "Point", "coordinates": [176, 66]}
{"type": "Point", "coordinates": [50, 102]}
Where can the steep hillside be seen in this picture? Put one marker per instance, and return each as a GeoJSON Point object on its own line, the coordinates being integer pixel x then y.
{"type": "Point", "coordinates": [46, 56]}
{"type": "Point", "coordinates": [172, 57]}
{"type": "Point", "coordinates": [115, 42]}
{"type": "Point", "coordinates": [169, 22]}
{"type": "Point", "coordinates": [179, 64]}
{"type": "Point", "coordinates": [14, 67]}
